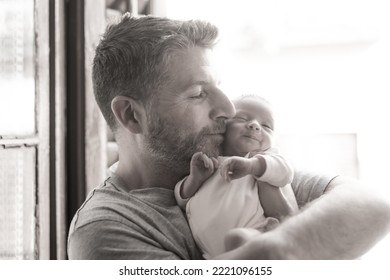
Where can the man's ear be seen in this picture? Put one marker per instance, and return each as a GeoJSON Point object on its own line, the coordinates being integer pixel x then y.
{"type": "Point", "coordinates": [128, 113]}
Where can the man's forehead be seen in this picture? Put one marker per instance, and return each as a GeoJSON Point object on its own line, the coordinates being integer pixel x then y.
{"type": "Point", "coordinates": [191, 57]}
{"type": "Point", "coordinates": [192, 67]}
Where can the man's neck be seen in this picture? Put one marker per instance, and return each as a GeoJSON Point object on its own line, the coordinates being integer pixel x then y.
{"type": "Point", "coordinates": [138, 175]}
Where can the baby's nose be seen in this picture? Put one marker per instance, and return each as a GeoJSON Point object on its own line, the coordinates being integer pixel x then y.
{"type": "Point", "coordinates": [255, 126]}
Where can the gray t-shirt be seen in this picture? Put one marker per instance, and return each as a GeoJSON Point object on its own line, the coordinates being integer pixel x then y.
{"type": "Point", "coordinates": [147, 223]}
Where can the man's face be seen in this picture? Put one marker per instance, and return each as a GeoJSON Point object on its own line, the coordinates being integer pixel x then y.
{"type": "Point", "coordinates": [189, 113]}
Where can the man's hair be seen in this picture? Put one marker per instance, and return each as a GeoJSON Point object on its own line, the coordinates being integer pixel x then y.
{"type": "Point", "coordinates": [133, 55]}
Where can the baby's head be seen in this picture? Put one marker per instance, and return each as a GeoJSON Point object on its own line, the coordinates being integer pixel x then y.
{"type": "Point", "coordinates": [251, 129]}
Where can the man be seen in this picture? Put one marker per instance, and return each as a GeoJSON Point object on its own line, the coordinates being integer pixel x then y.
{"type": "Point", "coordinates": [155, 85]}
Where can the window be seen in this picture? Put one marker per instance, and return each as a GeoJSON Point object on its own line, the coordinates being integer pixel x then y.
{"type": "Point", "coordinates": [24, 138]}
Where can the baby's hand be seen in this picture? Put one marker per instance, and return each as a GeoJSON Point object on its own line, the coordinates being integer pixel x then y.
{"type": "Point", "coordinates": [202, 167]}
{"type": "Point", "coordinates": [235, 167]}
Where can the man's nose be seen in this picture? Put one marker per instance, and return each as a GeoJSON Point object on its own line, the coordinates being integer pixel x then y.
{"type": "Point", "coordinates": [254, 126]}
{"type": "Point", "coordinates": [223, 108]}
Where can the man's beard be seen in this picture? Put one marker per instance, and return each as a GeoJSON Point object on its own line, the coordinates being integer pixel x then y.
{"type": "Point", "coordinates": [173, 147]}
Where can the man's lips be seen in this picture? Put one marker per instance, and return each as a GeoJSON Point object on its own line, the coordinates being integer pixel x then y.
{"type": "Point", "coordinates": [222, 132]}
{"type": "Point", "coordinates": [219, 135]}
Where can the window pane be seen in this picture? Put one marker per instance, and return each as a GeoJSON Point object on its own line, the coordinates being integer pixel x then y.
{"type": "Point", "coordinates": [334, 154]}
{"type": "Point", "coordinates": [17, 203]}
{"type": "Point", "coordinates": [17, 94]}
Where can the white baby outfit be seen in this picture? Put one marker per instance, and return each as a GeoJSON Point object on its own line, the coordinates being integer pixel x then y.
{"type": "Point", "coordinates": [219, 206]}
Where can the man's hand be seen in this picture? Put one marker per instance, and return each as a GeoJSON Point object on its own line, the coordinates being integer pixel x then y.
{"type": "Point", "coordinates": [247, 243]}
{"type": "Point", "coordinates": [237, 167]}
{"type": "Point", "coordinates": [201, 168]}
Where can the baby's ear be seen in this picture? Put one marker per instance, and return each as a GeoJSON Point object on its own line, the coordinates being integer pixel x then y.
{"type": "Point", "coordinates": [128, 112]}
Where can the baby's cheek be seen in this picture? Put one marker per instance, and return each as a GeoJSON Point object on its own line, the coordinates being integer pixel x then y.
{"type": "Point", "coordinates": [268, 142]}
{"type": "Point", "coordinates": [247, 146]}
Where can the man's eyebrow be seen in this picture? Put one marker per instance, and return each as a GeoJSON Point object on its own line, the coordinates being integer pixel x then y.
{"type": "Point", "coordinates": [197, 82]}
{"type": "Point", "coordinates": [191, 83]}
{"type": "Point", "coordinates": [204, 81]}
{"type": "Point", "coordinates": [200, 83]}
{"type": "Point", "coordinates": [194, 83]}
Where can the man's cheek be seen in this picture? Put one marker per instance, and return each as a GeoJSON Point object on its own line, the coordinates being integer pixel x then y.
{"type": "Point", "coordinates": [194, 122]}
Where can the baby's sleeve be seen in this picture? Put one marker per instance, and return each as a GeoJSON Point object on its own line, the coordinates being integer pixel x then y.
{"type": "Point", "coordinates": [182, 202]}
{"type": "Point", "coordinates": [279, 171]}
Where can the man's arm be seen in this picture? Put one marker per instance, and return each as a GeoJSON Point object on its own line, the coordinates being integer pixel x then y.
{"type": "Point", "coordinates": [344, 223]}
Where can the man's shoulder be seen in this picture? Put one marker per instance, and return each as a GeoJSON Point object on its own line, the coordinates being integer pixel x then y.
{"type": "Point", "coordinates": [111, 201]}
{"type": "Point", "coordinates": [129, 220]}
{"type": "Point", "coordinates": [102, 203]}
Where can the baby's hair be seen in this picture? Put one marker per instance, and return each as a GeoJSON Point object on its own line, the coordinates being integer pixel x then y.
{"type": "Point", "coordinates": [251, 96]}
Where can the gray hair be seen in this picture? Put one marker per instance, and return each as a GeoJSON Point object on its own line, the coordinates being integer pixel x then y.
{"type": "Point", "coordinates": [133, 55]}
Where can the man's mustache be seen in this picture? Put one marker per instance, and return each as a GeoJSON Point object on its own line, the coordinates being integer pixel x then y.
{"type": "Point", "coordinates": [219, 128]}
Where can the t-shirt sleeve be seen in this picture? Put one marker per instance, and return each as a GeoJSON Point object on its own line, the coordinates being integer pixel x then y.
{"type": "Point", "coordinates": [309, 186]}
{"type": "Point", "coordinates": [110, 240]}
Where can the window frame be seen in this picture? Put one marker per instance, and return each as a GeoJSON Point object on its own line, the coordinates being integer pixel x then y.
{"type": "Point", "coordinates": [40, 139]}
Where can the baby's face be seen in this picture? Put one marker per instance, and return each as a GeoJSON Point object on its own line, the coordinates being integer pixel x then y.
{"type": "Point", "coordinates": [251, 129]}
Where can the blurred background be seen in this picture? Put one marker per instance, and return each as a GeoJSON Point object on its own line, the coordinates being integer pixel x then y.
{"type": "Point", "coordinates": [324, 65]}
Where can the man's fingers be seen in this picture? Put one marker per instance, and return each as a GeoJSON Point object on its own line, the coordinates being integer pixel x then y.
{"type": "Point", "coordinates": [237, 237]}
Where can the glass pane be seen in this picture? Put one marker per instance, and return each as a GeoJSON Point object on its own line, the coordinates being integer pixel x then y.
{"type": "Point", "coordinates": [17, 203]}
{"type": "Point", "coordinates": [326, 153]}
{"type": "Point", "coordinates": [17, 93]}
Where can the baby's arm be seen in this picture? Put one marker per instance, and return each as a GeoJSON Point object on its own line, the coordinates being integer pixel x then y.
{"type": "Point", "coordinates": [275, 192]}
{"type": "Point", "coordinates": [277, 202]}
{"type": "Point", "coordinates": [202, 167]}
{"type": "Point", "coordinates": [236, 167]}
{"type": "Point", "coordinates": [266, 167]}
{"type": "Point", "coordinates": [278, 171]}
{"type": "Point", "coordinates": [274, 174]}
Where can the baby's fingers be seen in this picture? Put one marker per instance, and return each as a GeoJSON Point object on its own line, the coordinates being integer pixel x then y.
{"type": "Point", "coordinates": [215, 162]}
{"type": "Point", "coordinates": [205, 160]}
{"type": "Point", "coordinates": [224, 170]}
{"type": "Point", "coordinates": [197, 156]}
